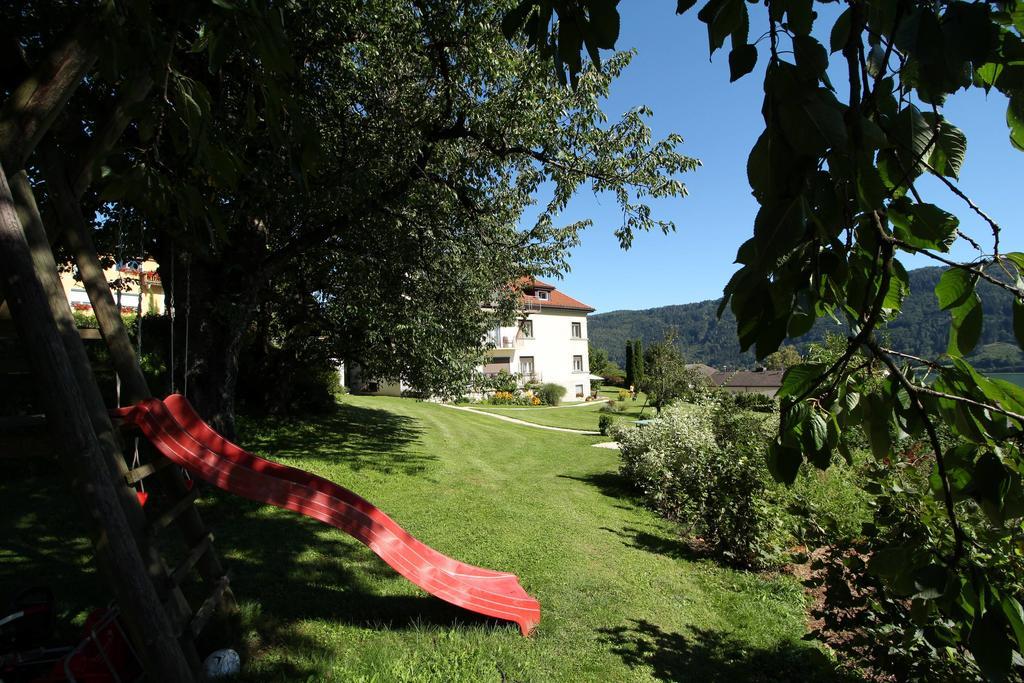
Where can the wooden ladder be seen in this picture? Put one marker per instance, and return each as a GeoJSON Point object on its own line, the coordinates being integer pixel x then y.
{"type": "Point", "coordinates": [78, 429]}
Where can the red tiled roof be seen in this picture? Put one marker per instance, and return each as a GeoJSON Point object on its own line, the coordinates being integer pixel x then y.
{"type": "Point", "coordinates": [556, 299]}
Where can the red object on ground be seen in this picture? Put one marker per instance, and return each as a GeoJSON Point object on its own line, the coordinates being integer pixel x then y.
{"type": "Point", "coordinates": [173, 426]}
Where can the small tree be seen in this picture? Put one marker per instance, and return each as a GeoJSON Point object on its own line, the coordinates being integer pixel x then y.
{"type": "Point", "coordinates": [786, 357]}
{"type": "Point", "coordinates": [666, 376]}
{"type": "Point", "coordinates": [598, 363]}
{"type": "Point", "coordinates": [551, 394]}
{"type": "Point", "coordinates": [638, 360]}
{"type": "Point", "coordinates": [630, 365]}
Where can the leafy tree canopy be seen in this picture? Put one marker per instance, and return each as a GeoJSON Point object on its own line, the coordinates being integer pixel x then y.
{"type": "Point", "coordinates": [835, 174]}
{"type": "Point", "coordinates": [338, 177]}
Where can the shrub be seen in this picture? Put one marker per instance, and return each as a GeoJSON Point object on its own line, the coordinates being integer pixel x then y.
{"type": "Point", "coordinates": [754, 401]}
{"type": "Point", "coordinates": [604, 424]}
{"type": "Point", "coordinates": [551, 394]}
{"type": "Point", "coordinates": [612, 407]}
{"type": "Point", "coordinates": [506, 398]}
{"type": "Point", "coordinates": [624, 395]}
{"type": "Point", "coordinates": [703, 466]}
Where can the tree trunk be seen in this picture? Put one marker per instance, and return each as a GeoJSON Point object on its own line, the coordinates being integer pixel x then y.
{"type": "Point", "coordinates": [213, 313]}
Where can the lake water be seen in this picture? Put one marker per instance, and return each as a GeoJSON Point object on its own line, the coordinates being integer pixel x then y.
{"type": "Point", "coordinates": [1015, 377]}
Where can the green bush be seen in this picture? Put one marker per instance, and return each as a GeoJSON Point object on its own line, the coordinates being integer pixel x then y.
{"type": "Point", "coordinates": [551, 394]}
{"type": "Point", "coordinates": [612, 407]}
{"type": "Point", "coordinates": [604, 424]}
{"type": "Point", "coordinates": [624, 395]}
{"type": "Point", "coordinates": [703, 466]}
{"type": "Point", "coordinates": [754, 401]}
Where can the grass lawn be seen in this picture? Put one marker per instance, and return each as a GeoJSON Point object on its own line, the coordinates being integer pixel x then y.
{"type": "Point", "coordinates": [573, 416]}
{"type": "Point", "coordinates": [621, 600]}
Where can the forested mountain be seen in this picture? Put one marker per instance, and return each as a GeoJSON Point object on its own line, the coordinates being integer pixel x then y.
{"type": "Point", "coordinates": [922, 329]}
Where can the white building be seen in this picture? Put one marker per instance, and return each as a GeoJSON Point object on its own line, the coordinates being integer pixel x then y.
{"type": "Point", "coordinates": [548, 344]}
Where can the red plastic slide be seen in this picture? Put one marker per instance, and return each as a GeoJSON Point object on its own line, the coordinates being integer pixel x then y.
{"type": "Point", "coordinates": [177, 431]}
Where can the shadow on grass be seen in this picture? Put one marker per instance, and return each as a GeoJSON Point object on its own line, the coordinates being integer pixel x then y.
{"type": "Point", "coordinates": [658, 544]}
{"type": "Point", "coordinates": [297, 572]}
{"type": "Point", "coordinates": [44, 544]}
{"type": "Point", "coordinates": [611, 484]}
{"type": "Point", "coordinates": [704, 655]}
{"type": "Point", "coordinates": [298, 579]}
{"type": "Point", "coordinates": [363, 438]}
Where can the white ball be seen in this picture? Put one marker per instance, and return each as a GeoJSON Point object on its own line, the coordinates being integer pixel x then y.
{"type": "Point", "coordinates": [221, 664]}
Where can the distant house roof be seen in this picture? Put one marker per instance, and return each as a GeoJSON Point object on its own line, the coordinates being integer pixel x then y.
{"type": "Point", "coordinates": [705, 370]}
{"type": "Point", "coordinates": [555, 298]}
{"type": "Point", "coordinates": [746, 378]}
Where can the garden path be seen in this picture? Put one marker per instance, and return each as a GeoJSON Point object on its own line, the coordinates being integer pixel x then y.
{"type": "Point", "coordinates": [515, 420]}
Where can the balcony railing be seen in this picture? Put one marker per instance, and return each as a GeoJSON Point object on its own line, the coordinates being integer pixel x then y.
{"type": "Point", "coordinates": [503, 341]}
{"type": "Point", "coordinates": [531, 307]}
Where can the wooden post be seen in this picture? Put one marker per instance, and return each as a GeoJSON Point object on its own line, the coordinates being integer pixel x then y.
{"type": "Point", "coordinates": [29, 111]}
{"type": "Point", "coordinates": [116, 551]}
{"type": "Point", "coordinates": [109, 439]}
{"type": "Point", "coordinates": [133, 382]}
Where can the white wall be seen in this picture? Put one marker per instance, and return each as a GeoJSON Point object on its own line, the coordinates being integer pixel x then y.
{"type": "Point", "coordinates": [552, 348]}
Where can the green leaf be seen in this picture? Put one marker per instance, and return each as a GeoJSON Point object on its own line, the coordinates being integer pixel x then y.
{"type": "Point", "coordinates": [955, 285]}
{"type": "Point", "coordinates": [810, 55]}
{"type": "Point", "coordinates": [991, 647]}
{"type": "Point", "coordinates": [876, 425]}
{"type": "Point", "coordinates": [1018, 321]}
{"type": "Point", "coordinates": [1015, 617]}
{"type": "Point", "coordinates": [799, 379]}
{"type": "Point", "coordinates": [899, 288]}
{"type": "Point", "coordinates": [947, 155]}
{"type": "Point", "coordinates": [840, 32]}
{"type": "Point", "coordinates": [911, 136]}
{"type": "Point", "coordinates": [966, 329]}
{"type": "Point", "coordinates": [924, 226]}
{"type": "Point", "coordinates": [816, 431]}
{"type": "Point", "coordinates": [814, 124]}
{"type": "Point", "coordinates": [783, 462]}
{"type": "Point", "coordinates": [1017, 258]}
{"type": "Point", "coordinates": [604, 20]}
{"type": "Point", "coordinates": [889, 563]}
{"type": "Point", "coordinates": [515, 18]}
{"type": "Point", "coordinates": [741, 61]}
{"type": "Point", "coordinates": [1015, 121]}
{"type": "Point", "coordinates": [930, 581]}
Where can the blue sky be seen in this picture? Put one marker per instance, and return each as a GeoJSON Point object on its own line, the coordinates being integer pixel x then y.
{"type": "Point", "coordinates": [719, 121]}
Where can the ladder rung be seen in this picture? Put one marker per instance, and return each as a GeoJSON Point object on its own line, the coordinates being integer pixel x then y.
{"type": "Point", "coordinates": [141, 472]}
{"type": "Point", "coordinates": [173, 512]}
{"type": "Point", "coordinates": [179, 574]}
{"type": "Point", "coordinates": [21, 423]}
{"type": "Point", "coordinates": [208, 607]}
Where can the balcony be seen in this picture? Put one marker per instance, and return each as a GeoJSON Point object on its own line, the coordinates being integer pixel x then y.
{"type": "Point", "coordinates": [503, 342]}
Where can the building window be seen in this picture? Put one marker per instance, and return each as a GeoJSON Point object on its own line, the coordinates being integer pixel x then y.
{"type": "Point", "coordinates": [577, 330]}
{"type": "Point", "coordinates": [542, 295]}
{"type": "Point", "coordinates": [527, 327]}
{"type": "Point", "coordinates": [579, 391]}
{"type": "Point", "coordinates": [526, 366]}
{"type": "Point", "coordinates": [577, 363]}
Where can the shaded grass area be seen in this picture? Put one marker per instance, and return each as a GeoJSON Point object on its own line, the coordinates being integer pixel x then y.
{"type": "Point", "coordinates": [581, 417]}
{"type": "Point", "coordinates": [620, 599]}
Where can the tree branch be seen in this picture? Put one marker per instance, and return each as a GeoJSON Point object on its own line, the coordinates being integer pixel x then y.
{"type": "Point", "coordinates": [30, 110]}
{"type": "Point", "coordinates": [933, 437]}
